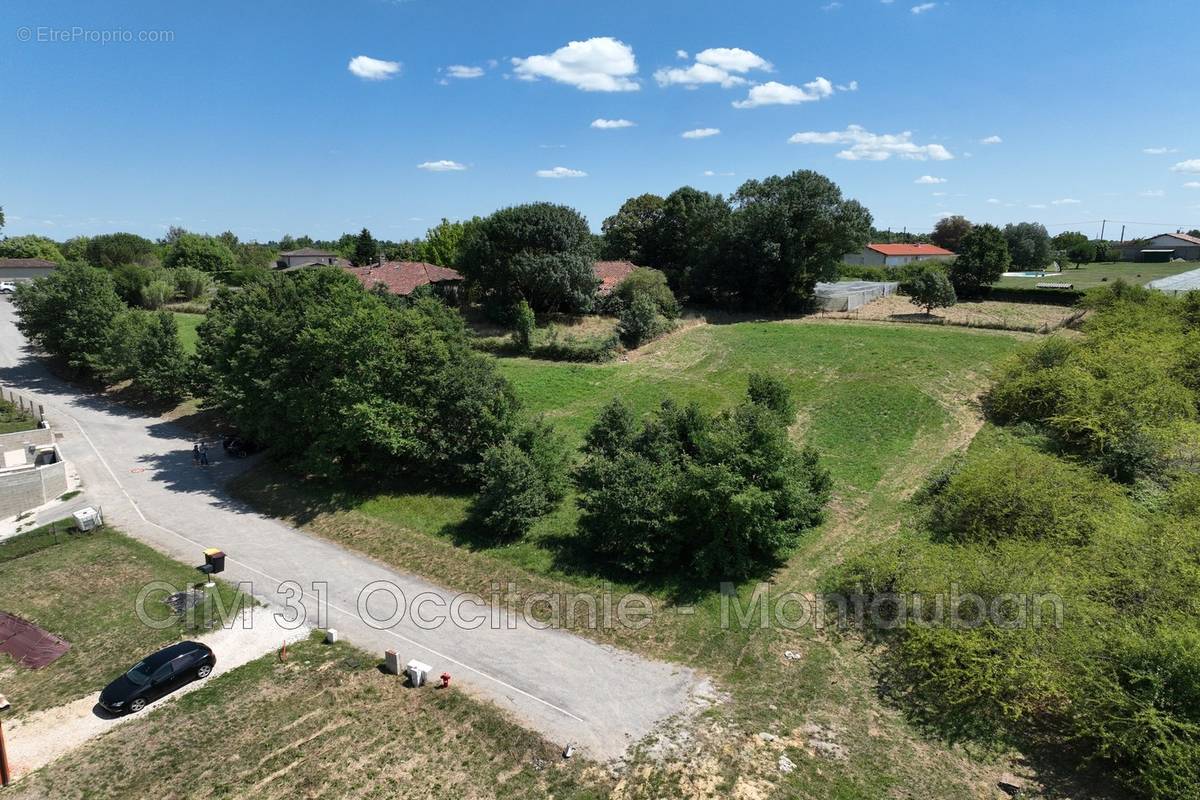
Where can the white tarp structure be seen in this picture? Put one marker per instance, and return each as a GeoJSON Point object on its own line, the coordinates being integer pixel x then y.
{"type": "Point", "coordinates": [1177, 284]}
{"type": "Point", "coordinates": [849, 295]}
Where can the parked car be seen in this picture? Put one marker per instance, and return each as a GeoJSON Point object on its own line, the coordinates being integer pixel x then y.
{"type": "Point", "coordinates": [158, 675]}
{"type": "Point", "coordinates": [7, 287]}
{"type": "Point", "coordinates": [237, 447]}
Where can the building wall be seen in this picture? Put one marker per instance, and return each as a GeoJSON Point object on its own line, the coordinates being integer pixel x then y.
{"type": "Point", "coordinates": [24, 273]}
{"type": "Point", "coordinates": [866, 258]}
{"type": "Point", "coordinates": [23, 489]}
{"type": "Point", "coordinates": [18, 440]}
{"type": "Point", "coordinates": [292, 261]}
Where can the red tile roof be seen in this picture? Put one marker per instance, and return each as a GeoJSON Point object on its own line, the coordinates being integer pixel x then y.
{"type": "Point", "coordinates": [402, 277]}
{"type": "Point", "coordinates": [909, 250]}
{"type": "Point", "coordinates": [612, 273]}
{"type": "Point", "coordinates": [25, 263]}
{"type": "Point", "coordinates": [1186, 237]}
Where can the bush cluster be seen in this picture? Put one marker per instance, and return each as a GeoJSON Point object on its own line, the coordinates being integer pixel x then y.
{"type": "Point", "coordinates": [695, 495]}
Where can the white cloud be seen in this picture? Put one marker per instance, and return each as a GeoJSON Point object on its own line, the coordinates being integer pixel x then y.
{"type": "Point", "coordinates": [700, 133]}
{"type": "Point", "coordinates": [773, 93]}
{"type": "Point", "coordinates": [1191, 166]}
{"type": "Point", "coordinates": [1152, 193]}
{"type": "Point", "coordinates": [442, 166]}
{"type": "Point", "coordinates": [991, 140]}
{"type": "Point", "coordinates": [939, 194]}
{"type": "Point", "coordinates": [460, 71]}
{"type": "Point", "coordinates": [682, 55]}
{"type": "Point", "coordinates": [600, 64]}
{"type": "Point", "coordinates": [373, 69]}
{"type": "Point", "coordinates": [929, 179]}
{"type": "Point", "coordinates": [561, 172]}
{"type": "Point", "coordinates": [993, 201]}
{"type": "Point", "coordinates": [852, 86]}
{"type": "Point", "coordinates": [715, 65]}
{"type": "Point", "coordinates": [708, 173]}
{"type": "Point", "coordinates": [1158, 151]}
{"type": "Point", "coordinates": [867, 146]}
{"type": "Point", "coordinates": [1066, 201]}
{"type": "Point", "coordinates": [921, 9]}
{"type": "Point", "coordinates": [1037, 205]}
{"type": "Point", "coordinates": [834, 6]}
{"type": "Point", "coordinates": [1192, 185]}
{"type": "Point", "coordinates": [609, 124]}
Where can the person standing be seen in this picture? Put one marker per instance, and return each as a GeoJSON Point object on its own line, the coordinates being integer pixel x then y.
{"type": "Point", "coordinates": [196, 454]}
{"type": "Point", "coordinates": [203, 455]}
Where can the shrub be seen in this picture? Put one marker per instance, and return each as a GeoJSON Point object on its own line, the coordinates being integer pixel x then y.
{"type": "Point", "coordinates": [863, 273]}
{"type": "Point", "coordinates": [191, 283]}
{"type": "Point", "coordinates": [651, 283]}
{"type": "Point", "coordinates": [524, 324]}
{"type": "Point", "coordinates": [929, 288]}
{"type": "Point", "coordinates": [162, 367]}
{"type": "Point", "coordinates": [156, 294]}
{"type": "Point", "coordinates": [982, 259]}
{"type": "Point", "coordinates": [696, 496]}
{"type": "Point", "coordinates": [640, 321]}
{"type": "Point", "coordinates": [511, 493]}
{"type": "Point", "coordinates": [1018, 493]}
{"type": "Point", "coordinates": [202, 253]}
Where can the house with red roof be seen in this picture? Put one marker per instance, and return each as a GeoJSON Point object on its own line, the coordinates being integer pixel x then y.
{"type": "Point", "coordinates": [611, 273]}
{"type": "Point", "coordinates": [895, 255]}
{"type": "Point", "coordinates": [402, 278]}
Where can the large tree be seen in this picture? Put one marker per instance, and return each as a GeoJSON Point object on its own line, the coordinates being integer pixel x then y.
{"type": "Point", "coordinates": [982, 259]}
{"type": "Point", "coordinates": [443, 242]}
{"type": "Point", "coordinates": [69, 313]}
{"type": "Point", "coordinates": [629, 233]}
{"type": "Point", "coordinates": [929, 287]}
{"type": "Point", "coordinates": [949, 231]}
{"type": "Point", "coordinates": [1066, 240]}
{"type": "Point", "coordinates": [366, 250]}
{"type": "Point", "coordinates": [786, 234]}
{"type": "Point", "coordinates": [541, 253]}
{"type": "Point", "coordinates": [1028, 244]}
{"type": "Point", "coordinates": [338, 379]}
{"type": "Point", "coordinates": [686, 241]}
{"type": "Point", "coordinates": [111, 250]}
{"type": "Point", "coordinates": [199, 252]}
{"type": "Point", "coordinates": [31, 247]}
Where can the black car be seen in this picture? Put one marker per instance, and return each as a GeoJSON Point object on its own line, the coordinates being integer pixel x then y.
{"type": "Point", "coordinates": [158, 675]}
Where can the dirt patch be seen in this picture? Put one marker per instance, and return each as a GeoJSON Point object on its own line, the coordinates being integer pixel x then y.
{"type": "Point", "coordinates": [1028, 317]}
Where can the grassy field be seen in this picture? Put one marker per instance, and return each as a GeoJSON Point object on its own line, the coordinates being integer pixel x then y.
{"type": "Point", "coordinates": [83, 587]}
{"type": "Point", "coordinates": [883, 403]}
{"type": "Point", "coordinates": [13, 419]}
{"type": "Point", "coordinates": [326, 723]}
{"type": "Point", "coordinates": [187, 329]}
{"type": "Point", "coordinates": [1103, 272]}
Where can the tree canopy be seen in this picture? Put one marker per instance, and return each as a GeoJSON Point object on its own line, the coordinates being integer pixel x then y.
{"type": "Point", "coordinates": [539, 252]}
{"type": "Point", "coordinates": [630, 233]}
{"type": "Point", "coordinates": [31, 247]}
{"type": "Point", "coordinates": [109, 250]}
{"type": "Point", "coordinates": [949, 231]}
{"type": "Point", "coordinates": [366, 250]}
{"type": "Point", "coordinates": [1028, 244]}
{"type": "Point", "coordinates": [342, 381]}
{"type": "Point", "coordinates": [982, 259]}
{"type": "Point", "coordinates": [69, 313]}
{"type": "Point", "coordinates": [204, 253]}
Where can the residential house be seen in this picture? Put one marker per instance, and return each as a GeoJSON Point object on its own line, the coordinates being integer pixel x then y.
{"type": "Point", "coordinates": [308, 257]}
{"type": "Point", "coordinates": [896, 255]}
{"type": "Point", "coordinates": [24, 269]}
{"type": "Point", "coordinates": [403, 277]}
{"type": "Point", "coordinates": [611, 273]}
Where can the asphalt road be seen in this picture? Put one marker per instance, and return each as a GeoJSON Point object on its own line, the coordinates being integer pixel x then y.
{"type": "Point", "coordinates": [140, 470]}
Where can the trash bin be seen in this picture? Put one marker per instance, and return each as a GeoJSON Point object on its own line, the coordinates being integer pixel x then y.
{"type": "Point", "coordinates": [216, 559]}
{"type": "Point", "coordinates": [417, 672]}
{"type": "Point", "coordinates": [88, 519]}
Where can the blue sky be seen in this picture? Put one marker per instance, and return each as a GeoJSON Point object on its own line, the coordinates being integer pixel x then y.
{"type": "Point", "coordinates": [251, 119]}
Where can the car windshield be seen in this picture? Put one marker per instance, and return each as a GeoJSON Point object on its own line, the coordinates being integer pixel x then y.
{"type": "Point", "coordinates": [140, 674]}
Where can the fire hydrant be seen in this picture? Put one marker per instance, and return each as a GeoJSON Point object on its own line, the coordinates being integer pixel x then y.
{"type": "Point", "coordinates": [445, 680]}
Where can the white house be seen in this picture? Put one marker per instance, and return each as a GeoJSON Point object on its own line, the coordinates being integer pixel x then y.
{"type": "Point", "coordinates": [895, 255]}
{"type": "Point", "coordinates": [1164, 247]}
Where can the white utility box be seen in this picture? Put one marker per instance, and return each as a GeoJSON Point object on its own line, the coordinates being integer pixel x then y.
{"type": "Point", "coordinates": [417, 672]}
{"type": "Point", "coordinates": [88, 519]}
{"type": "Point", "coordinates": [391, 662]}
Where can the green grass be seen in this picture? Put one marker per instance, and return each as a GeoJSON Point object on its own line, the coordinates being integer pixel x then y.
{"type": "Point", "coordinates": [13, 419]}
{"type": "Point", "coordinates": [1103, 272]}
{"type": "Point", "coordinates": [83, 588]}
{"type": "Point", "coordinates": [187, 330]}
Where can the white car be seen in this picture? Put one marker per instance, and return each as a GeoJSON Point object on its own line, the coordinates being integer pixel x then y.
{"type": "Point", "coordinates": [7, 287]}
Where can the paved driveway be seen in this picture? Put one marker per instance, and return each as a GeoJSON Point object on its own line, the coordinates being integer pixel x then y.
{"type": "Point", "coordinates": [140, 469]}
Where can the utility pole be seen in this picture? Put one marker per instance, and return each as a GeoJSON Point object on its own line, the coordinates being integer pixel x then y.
{"type": "Point", "coordinates": [1122, 233]}
{"type": "Point", "coordinates": [1102, 223]}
